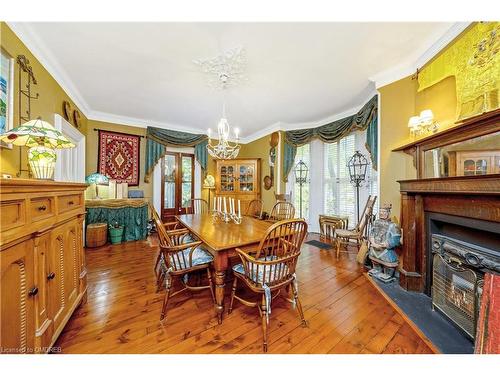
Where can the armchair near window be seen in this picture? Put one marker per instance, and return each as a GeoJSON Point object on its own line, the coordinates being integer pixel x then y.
{"type": "Point", "coordinates": [344, 236]}
{"type": "Point", "coordinates": [271, 270]}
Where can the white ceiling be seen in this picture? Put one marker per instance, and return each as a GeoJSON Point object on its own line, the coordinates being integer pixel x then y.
{"type": "Point", "coordinates": [300, 74]}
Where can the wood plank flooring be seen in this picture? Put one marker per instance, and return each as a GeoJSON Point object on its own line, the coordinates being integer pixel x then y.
{"type": "Point", "coordinates": [346, 314]}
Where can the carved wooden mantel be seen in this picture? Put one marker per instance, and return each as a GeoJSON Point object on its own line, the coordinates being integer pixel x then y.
{"type": "Point", "coordinates": [474, 197]}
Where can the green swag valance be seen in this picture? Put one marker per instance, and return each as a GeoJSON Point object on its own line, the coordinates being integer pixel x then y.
{"type": "Point", "coordinates": [365, 119]}
{"type": "Point", "coordinates": [158, 139]}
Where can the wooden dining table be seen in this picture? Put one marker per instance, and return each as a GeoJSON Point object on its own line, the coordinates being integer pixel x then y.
{"type": "Point", "coordinates": [221, 239]}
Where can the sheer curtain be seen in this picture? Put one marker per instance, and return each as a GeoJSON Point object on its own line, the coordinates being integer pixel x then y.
{"type": "Point", "coordinates": [329, 190]}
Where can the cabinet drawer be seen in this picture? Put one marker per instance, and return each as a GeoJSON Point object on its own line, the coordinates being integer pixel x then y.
{"type": "Point", "coordinates": [69, 202]}
{"type": "Point", "coordinates": [13, 214]}
{"type": "Point", "coordinates": [41, 208]}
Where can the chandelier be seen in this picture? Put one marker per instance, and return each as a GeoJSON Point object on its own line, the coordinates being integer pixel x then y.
{"type": "Point", "coordinates": [224, 71]}
{"type": "Point", "coordinates": [224, 149]}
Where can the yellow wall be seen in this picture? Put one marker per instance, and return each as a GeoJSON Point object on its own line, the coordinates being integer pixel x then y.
{"type": "Point", "coordinates": [51, 97]}
{"type": "Point", "coordinates": [92, 146]}
{"type": "Point", "coordinates": [398, 102]}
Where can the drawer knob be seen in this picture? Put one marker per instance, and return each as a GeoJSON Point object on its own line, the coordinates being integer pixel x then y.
{"type": "Point", "coordinates": [51, 275]}
{"type": "Point", "coordinates": [33, 291]}
{"type": "Point", "coordinates": [42, 208]}
{"type": "Point", "coordinates": [70, 203]}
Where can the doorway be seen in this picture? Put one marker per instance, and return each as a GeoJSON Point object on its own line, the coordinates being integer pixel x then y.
{"type": "Point", "coordinates": [177, 184]}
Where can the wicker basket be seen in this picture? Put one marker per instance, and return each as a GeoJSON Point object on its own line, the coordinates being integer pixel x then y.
{"type": "Point", "coordinates": [97, 234]}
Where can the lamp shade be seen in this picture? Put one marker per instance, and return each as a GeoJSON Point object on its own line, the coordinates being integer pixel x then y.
{"type": "Point", "coordinates": [414, 122]}
{"type": "Point", "coordinates": [96, 178]}
{"type": "Point", "coordinates": [209, 181]}
{"type": "Point", "coordinates": [426, 116]}
{"type": "Point", "coordinates": [36, 133]}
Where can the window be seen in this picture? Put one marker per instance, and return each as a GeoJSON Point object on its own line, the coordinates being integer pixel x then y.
{"type": "Point", "coordinates": [303, 153]}
{"type": "Point", "coordinates": [329, 190]}
{"type": "Point", "coordinates": [339, 194]}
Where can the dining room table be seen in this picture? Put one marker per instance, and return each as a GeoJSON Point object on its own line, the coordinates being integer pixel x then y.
{"type": "Point", "coordinates": [221, 239]}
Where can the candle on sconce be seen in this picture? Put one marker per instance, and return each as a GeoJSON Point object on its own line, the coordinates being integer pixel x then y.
{"type": "Point", "coordinates": [215, 204]}
{"type": "Point", "coordinates": [230, 205]}
{"type": "Point", "coordinates": [239, 208]}
{"type": "Point", "coordinates": [225, 205]}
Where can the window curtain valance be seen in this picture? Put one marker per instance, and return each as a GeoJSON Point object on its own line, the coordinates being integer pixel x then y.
{"type": "Point", "coordinates": [365, 119]}
{"type": "Point", "coordinates": [158, 139]}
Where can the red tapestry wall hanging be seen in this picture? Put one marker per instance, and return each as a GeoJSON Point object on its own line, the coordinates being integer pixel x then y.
{"type": "Point", "coordinates": [118, 157]}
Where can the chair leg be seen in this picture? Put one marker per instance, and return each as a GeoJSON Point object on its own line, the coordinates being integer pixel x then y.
{"type": "Point", "coordinates": [298, 305]}
{"type": "Point", "coordinates": [157, 263]}
{"type": "Point", "coordinates": [338, 241]}
{"type": "Point", "coordinates": [209, 276]}
{"type": "Point", "coordinates": [233, 293]}
{"type": "Point", "coordinates": [165, 302]}
{"type": "Point", "coordinates": [159, 281]}
{"type": "Point", "coordinates": [264, 323]}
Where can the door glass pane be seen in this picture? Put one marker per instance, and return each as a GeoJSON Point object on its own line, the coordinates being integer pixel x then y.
{"type": "Point", "coordinates": [227, 174]}
{"type": "Point", "coordinates": [169, 193]}
{"type": "Point", "coordinates": [246, 178]}
{"type": "Point", "coordinates": [187, 180]}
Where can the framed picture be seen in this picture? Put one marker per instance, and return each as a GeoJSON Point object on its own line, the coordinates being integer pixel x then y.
{"type": "Point", "coordinates": [6, 94]}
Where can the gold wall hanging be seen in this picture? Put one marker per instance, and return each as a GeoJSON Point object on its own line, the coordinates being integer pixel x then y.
{"type": "Point", "coordinates": [473, 59]}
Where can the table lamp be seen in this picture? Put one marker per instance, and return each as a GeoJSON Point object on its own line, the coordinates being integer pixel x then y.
{"type": "Point", "coordinates": [41, 138]}
{"type": "Point", "coordinates": [209, 183]}
{"type": "Point", "coordinates": [97, 179]}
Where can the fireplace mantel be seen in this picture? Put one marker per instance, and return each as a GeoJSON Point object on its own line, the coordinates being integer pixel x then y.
{"type": "Point", "coordinates": [472, 197]}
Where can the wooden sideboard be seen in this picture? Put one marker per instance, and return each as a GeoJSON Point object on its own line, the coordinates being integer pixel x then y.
{"type": "Point", "coordinates": [238, 179]}
{"type": "Point", "coordinates": [43, 273]}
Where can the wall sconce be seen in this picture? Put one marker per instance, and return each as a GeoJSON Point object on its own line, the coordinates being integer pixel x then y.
{"type": "Point", "coordinates": [423, 124]}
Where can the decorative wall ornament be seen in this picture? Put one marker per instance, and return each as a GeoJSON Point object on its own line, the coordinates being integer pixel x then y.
{"type": "Point", "coordinates": [118, 156]}
{"type": "Point", "coordinates": [77, 118]}
{"type": "Point", "coordinates": [67, 110]}
{"type": "Point", "coordinates": [25, 97]}
{"type": "Point", "coordinates": [474, 60]}
{"type": "Point", "coordinates": [225, 70]}
{"type": "Point", "coordinates": [6, 94]}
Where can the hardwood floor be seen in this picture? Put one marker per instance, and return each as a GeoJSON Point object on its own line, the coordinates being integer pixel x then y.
{"type": "Point", "coordinates": [346, 314]}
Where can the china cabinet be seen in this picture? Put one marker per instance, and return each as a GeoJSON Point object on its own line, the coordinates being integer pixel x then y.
{"type": "Point", "coordinates": [238, 179]}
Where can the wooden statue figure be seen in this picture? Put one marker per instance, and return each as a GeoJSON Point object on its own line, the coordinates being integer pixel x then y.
{"type": "Point", "coordinates": [384, 237]}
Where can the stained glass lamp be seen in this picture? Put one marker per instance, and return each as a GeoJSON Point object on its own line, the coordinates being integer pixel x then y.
{"type": "Point", "coordinates": [42, 138]}
{"type": "Point", "coordinates": [97, 178]}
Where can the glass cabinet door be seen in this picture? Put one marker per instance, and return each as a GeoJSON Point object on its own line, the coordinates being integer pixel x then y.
{"type": "Point", "coordinates": [247, 177]}
{"type": "Point", "coordinates": [227, 174]}
{"type": "Point", "coordinates": [481, 166]}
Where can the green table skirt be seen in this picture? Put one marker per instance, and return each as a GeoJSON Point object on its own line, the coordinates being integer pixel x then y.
{"type": "Point", "coordinates": [134, 220]}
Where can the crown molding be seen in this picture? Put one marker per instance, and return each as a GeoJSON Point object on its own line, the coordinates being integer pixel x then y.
{"type": "Point", "coordinates": [408, 68]}
{"type": "Point", "coordinates": [138, 122]}
{"type": "Point", "coordinates": [38, 48]}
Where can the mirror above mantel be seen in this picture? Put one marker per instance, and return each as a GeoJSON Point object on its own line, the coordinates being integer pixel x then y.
{"type": "Point", "coordinates": [471, 148]}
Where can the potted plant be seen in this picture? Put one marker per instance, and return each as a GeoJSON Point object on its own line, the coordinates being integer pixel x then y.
{"type": "Point", "coordinates": [115, 232]}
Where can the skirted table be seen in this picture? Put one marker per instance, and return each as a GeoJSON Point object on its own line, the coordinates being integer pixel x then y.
{"type": "Point", "coordinates": [131, 213]}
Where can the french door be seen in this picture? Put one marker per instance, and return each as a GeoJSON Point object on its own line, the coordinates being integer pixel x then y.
{"type": "Point", "coordinates": [177, 187]}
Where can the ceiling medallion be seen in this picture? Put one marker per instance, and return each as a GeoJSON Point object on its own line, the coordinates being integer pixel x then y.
{"type": "Point", "coordinates": [224, 71]}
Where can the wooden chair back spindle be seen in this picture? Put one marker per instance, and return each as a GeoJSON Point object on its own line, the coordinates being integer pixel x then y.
{"type": "Point", "coordinates": [282, 211]}
{"type": "Point", "coordinates": [198, 206]}
{"type": "Point", "coordinates": [254, 208]}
